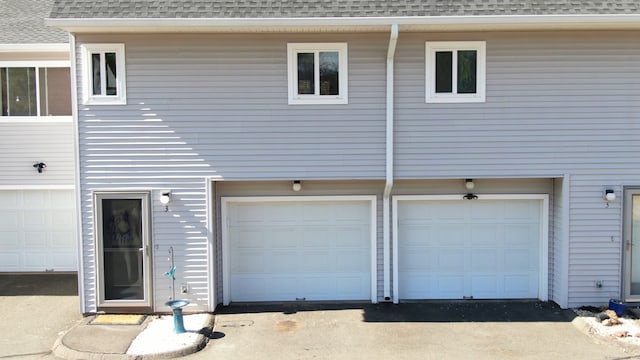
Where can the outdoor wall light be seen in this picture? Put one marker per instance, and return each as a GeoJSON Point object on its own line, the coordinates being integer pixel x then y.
{"type": "Point", "coordinates": [468, 183]}
{"type": "Point", "coordinates": [165, 199]}
{"type": "Point", "coordinates": [297, 185]}
{"type": "Point", "coordinates": [609, 195]}
{"type": "Point", "coordinates": [39, 166]}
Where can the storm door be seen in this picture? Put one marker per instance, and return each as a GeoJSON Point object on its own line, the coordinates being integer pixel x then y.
{"type": "Point", "coordinates": [632, 245]}
{"type": "Point", "coordinates": [122, 246]}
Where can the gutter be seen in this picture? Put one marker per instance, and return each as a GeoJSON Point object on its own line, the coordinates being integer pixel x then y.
{"type": "Point", "coordinates": [386, 196]}
{"type": "Point", "coordinates": [434, 23]}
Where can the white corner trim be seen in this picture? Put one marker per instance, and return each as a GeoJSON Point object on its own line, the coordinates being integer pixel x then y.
{"type": "Point", "coordinates": [224, 216]}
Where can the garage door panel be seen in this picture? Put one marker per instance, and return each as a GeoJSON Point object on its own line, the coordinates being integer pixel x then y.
{"type": "Point", "coordinates": [248, 262]}
{"type": "Point", "coordinates": [35, 239]}
{"type": "Point", "coordinates": [484, 249]}
{"type": "Point", "coordinates": [315, 237]}
{"type": "Point", "coordinates": [484, 260]}
{"type": "Point", "coordinates": [317, 250]}
{"type": "Point", "coordinates": [9, 219]}
{"type": "Point", "coordinates": [450, 259]}
{"type": "Point", "coordinates": [451, 235]}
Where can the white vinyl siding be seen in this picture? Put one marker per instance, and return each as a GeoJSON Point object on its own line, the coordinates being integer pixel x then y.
{"type": "Point", "coordinates": [558, 103]}
{"type": "Point", "coordinates": [24, 144]}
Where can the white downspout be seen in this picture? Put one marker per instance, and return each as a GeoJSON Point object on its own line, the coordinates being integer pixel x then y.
{"type": "Point", "coordinates": [386, 196]}
{"type": "Point", "coordinates": [76, 159]}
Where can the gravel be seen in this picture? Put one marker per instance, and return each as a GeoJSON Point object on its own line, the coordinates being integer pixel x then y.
{"type": "Point", "coordinates": [628, 325]}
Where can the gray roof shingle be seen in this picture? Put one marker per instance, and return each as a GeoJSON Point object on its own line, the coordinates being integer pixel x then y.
{"type": "Point", "coordinates": [332, 8]}
{"type": "Point", "coordinates": [22, 22]}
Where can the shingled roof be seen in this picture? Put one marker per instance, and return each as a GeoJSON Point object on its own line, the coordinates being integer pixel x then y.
{"type": "Point", "coordinates": [22, 22]}
{"type": "Point", "coordinates": [194, 9]}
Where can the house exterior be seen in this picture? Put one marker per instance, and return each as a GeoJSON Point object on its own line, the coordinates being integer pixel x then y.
{"type": "Point", "coordinates": [37, 207]}
{"type": "Point", "coordinates": [368, 151]}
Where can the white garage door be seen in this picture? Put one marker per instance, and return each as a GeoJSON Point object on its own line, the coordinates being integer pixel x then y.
{"type": "Point", "coordinates": [298, 250]}
{"type": "Point", "coordinates": [480, 249]}
{"type": "Point", "coordinates": [37, 230]}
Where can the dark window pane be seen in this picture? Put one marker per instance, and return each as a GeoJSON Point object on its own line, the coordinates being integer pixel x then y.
{"type": "Point", "coordinates": [110, 70]}
{"type": "Point", "coordinates": [444, 72]}
{"type": "Point", "coordinates": [55, 92]}
{"type": "Point", "coordinates": [306, 83]}
{"type": "Point", "coordinates": [4, 101]}
{"type": "Point", "coordinates": [95, 67]}
{"type": "Point", "coordinates": [467, 64]}
{"type": "Point", "coordinates": [18, 92]}
{"type": "Point", "coordinates": [329, 72]}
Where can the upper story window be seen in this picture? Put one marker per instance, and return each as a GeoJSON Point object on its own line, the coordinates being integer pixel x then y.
{"type": "Point", "coordinates": [317, 73]}
{"type": "Point", "coordinates": [455, 71]}
{"type": "Point", "coordinates": [34, 91]}
{"type": "Point", "coordinates": [104, 74]}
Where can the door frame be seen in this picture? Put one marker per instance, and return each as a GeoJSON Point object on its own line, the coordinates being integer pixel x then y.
{"type": "Point", "coordinates": [543, 278]}
{"type": "Point", "coordinates": [627, 243]}
{"type": "Point", "coordinates": [145, 304]}
{"type": "Point", "coordinates": [226, 251]}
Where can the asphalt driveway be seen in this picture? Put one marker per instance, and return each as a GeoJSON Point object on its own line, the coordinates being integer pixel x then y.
{"type": "Point", "coordinates": [34, 310]}
{"type": "Point", "coordinates": [430, 330]}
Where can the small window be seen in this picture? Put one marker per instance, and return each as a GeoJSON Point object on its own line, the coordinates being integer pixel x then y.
{"type": "Point", "coordinates": [104, 74]}
{"type": "Point", "coordinates": [317, 73]}
{"type": "Point", "coordinates": [455, 71]}
{"type": "Point", "coordinates": [35, 91]}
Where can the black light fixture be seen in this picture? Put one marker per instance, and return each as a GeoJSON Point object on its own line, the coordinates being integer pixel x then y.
{"type": "Point", "coordinates": [40, 166]}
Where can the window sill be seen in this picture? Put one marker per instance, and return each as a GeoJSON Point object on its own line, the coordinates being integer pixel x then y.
{"type": "Point", "coordinates": [319, 101]}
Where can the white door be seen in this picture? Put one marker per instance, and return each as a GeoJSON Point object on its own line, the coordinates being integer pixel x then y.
{"type": "Point", "coordinates": [480, 249]}
{"type": "Point", "coordinates": [37, 231]}
{"type": "Point", "coordinates": [283, 250]}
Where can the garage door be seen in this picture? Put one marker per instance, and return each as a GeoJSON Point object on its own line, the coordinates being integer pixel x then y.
{"type": "Point", "coordinates": [37, 230]}
{"type": "Point", "coordinates": [283, 250]}
{"type": "Point", "coordinates": [480, 249]}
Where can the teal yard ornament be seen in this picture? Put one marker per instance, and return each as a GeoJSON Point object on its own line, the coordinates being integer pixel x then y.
{"type": "Point", "coordinates": [175, 305]}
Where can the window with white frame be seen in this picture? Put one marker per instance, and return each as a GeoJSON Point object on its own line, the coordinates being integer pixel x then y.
{"type": "Point", "coordinates": [34, 91]}
{"type": "Point", "coordinates": [317, 73]}
{"type": "Point", "coordinates": [104, 74]}
{"type": "Point", "coordinates": [455, 71]}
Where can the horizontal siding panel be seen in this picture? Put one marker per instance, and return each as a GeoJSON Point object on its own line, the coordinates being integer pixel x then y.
{"type": "Point", "coordinates": [24, 144]}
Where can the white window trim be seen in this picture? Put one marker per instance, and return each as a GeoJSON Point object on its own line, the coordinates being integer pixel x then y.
{"type": "Point", "coordinates": [431, 47]}
{"type": "Point", "coordinates": [343, 75]}
{"type": "Point", "coordinates": [121, 85]}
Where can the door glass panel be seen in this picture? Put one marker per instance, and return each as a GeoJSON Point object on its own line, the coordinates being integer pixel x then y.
{"type": "Point", "coordinates": [635, 246]}
{"type": "Point", "coordinates": [122, 249]}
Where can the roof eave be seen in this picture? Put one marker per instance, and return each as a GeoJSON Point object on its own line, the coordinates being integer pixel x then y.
{"type": "Point", "coordinates": [339, 24]}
